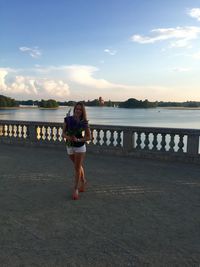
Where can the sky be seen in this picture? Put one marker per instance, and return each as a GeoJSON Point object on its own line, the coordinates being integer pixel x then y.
{"type": "Point", "coordinates": [116, 49]}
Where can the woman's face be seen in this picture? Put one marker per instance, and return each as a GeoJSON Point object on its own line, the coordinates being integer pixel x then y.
{"type": "Point", "coordinates": [78, 111]}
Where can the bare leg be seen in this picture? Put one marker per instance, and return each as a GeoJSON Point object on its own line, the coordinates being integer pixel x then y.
{"type": "Point", "coordinates": [79, 172]}
{"type": "Point", "coordinates": [78, 160]}
{"type": "Point", "coordinates": [83, 181]}
{"type": "Point", "coordinates": [72, 157]}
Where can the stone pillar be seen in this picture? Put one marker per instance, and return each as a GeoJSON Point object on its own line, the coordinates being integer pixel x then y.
{"type": "Point", "coordinates": [32, 133]}
{"type": "Point", "coordinates": [127, 140]}
{"type": "Point", "coordinates": [193, 144]}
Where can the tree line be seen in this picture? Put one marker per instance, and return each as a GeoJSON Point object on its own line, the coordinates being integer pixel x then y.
{"type": "Point", "coordinates": [10, 102]}
{"type": "Point", "coordinates": [130, 103]}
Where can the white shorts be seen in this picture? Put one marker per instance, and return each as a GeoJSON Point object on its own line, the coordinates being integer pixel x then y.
{"type": "Point", "coordinates": [72, 149]}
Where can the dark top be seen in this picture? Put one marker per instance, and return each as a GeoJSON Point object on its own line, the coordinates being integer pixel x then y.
{"type": "Point", "coordinates": [75, 128]}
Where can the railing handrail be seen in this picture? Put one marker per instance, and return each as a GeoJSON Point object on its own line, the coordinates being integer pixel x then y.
{"type": "Point", "coordinates": [150, 129]}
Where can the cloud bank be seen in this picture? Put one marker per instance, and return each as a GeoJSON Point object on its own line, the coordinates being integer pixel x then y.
{"type": "Point", "coordinates": [13, 84]}
{"type": "Point", "coordinates": [79, 82]}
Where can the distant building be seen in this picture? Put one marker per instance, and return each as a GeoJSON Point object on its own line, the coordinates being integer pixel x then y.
{"type": "Point", "coordinates": [101, 101]}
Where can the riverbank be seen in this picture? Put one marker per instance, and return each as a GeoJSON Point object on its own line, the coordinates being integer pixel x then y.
{"type": "Point", "coordinates": [181, 108]}
{"type": "Point", "coordinates": [20, 107]}
{"type": "Point", "coordinates": [26, 107]}
{"type": "Point", "coordinates": [36, 107]}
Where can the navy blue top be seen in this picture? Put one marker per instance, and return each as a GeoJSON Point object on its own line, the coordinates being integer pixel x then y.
{"type": "Point", "coordinates": [75, 128]}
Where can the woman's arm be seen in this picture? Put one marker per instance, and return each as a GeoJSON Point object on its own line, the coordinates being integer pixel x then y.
{"type": "Point", "coordinates": [87, 136]}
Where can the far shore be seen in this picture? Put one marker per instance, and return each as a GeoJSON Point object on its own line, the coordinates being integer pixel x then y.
{"type": "Point", "coordinates": [181, 108]}
{"type": "Point", "coordinates": [41, 108]}
{"type": "Point", "coordinates": [26, 107]}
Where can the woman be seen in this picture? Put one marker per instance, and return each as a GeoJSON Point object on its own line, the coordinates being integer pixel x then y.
{"type": "Point", "coordinates": [76, 132]}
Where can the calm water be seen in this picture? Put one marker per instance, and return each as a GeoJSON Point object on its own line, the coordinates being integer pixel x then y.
{"type": "Point", "coordinates": [113, 116]}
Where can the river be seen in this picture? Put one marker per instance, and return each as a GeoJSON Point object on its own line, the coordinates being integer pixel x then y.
{"type": "Point", "coordinates": [156, 117]}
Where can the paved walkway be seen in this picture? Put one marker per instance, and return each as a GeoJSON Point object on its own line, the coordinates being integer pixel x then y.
{"type": "Point", "coordinates": [135, 212]}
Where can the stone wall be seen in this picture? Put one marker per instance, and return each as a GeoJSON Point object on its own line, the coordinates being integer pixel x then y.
{"type": "Point", "coordinates": [149, 142]}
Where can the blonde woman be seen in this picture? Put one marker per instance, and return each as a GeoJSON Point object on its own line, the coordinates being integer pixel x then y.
{"type": "Point", "coordinates": [76, 132]}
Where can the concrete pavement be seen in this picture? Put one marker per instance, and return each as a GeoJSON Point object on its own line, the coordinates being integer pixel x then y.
{"type": "Point", "coordinates": [135, 212]}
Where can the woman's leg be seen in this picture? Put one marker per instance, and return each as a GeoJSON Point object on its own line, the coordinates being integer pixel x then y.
{"type": "Point", "coordinates": [72, 157]}
{"type": "Point", "coordinates": [78, 160]}
{"type": "Point", "coordinates": [83, 180]}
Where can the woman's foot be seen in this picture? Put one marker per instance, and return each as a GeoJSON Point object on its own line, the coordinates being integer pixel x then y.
{"type": "Point", "coordinates": [75, 195]}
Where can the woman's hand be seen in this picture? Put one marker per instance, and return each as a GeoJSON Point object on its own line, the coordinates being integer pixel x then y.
{"type": "Point", "coordinates": [70, 138]}
{"type": "Point", "coordinates": [67, 137]}
{"type": "Point", "coordinates": [73, 138]}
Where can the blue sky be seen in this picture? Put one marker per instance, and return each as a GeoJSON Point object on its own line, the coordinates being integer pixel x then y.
{"type": "Point", "coordinates": [117, 49]}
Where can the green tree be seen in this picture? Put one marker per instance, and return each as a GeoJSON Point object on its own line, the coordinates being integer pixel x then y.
{"type": "Point", "coordinates": [50, 103]}
{"type": "Point", "coordinates": [92, 103]}
{"type": "Point", "coordinates": [3, 102]}
{"type": "Point", "coordinates": [7, 102]}
{"type": "Point", "coordinates": [134, 103]}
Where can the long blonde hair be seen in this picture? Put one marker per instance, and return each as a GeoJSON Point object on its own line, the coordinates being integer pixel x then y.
{"type": "Point", "coordinates": [84, 115]}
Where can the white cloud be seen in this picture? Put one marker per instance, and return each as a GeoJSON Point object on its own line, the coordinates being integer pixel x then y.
{"type": "Point", "coordinates": [51, 88]}
{"type": "Point", "coordinates": [196, 55]}
{"type": "Point", "coordinates": [110, 52]}
{"type": "Point", "coordinates": [181, 69]}
{"type": "Point", "coordinates": [3, 74]}
{"type": "Point", "coordinates": [84, 75]}
{"type": "Point", "coordinates": [82, 80]}
{"type": "Point", "coordinates": [22, 86]}
{"type": "Point", "coordinates": [33, 52]}
{"type": "Point", "coordinates": [37, 66]}
{"type": "Point", "coordinates": [195, 13]}
{"type": "Point", "coordinates": [181, 35]}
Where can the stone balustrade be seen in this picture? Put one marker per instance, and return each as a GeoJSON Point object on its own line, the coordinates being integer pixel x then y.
{"type": "Point", "coordinates": [152, 142]}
